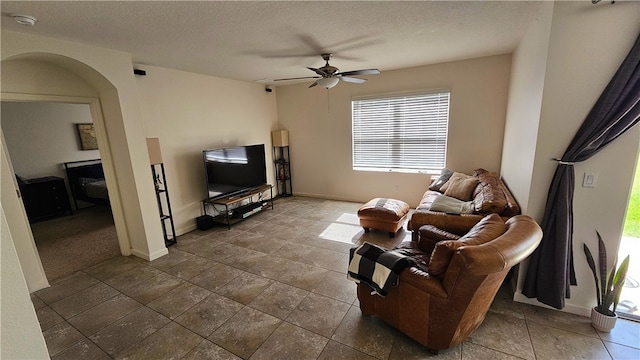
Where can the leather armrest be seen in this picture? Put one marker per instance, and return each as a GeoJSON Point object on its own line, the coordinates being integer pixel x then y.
{"type": "Point", "coordinates": [423, 281]}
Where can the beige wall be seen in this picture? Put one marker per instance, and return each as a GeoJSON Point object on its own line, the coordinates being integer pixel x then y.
{"type": "Point", "coordinates": [119, 129]}
{"type": "Point", "coordinates": [42, 136]}
{"type": "Point", "coordinates": [528, 69]}
{"type": "Point", "coordinates": [586, 46]}
{"type": "Point", "coordinates": [21, 335]}
{"type": "Point", "coordinates": [319, 123]}
{"type": "Point", "coordinates": [190, 113]}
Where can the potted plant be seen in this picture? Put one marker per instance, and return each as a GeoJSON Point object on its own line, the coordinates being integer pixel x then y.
{"type": "Point", "coordinates": [608, 287]}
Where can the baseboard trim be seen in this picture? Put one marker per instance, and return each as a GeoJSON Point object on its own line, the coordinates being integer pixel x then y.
{"type": "Point", "coordinates": [572, 309]}
{"type": "Point", "coordinates": [152, 256]}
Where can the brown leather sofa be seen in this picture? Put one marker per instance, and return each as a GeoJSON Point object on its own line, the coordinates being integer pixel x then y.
{"type": "Point", "coordinates": [446, 295]}
{"type": "Point", "coordinates": [490, 195]}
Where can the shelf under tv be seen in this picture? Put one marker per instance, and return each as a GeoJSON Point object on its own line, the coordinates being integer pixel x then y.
{"type": "Point", "coordinates": [232, 213]}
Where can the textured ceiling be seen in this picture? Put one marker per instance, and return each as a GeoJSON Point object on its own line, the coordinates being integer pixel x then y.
{"type": "Point", "coordinates": [259, 41]}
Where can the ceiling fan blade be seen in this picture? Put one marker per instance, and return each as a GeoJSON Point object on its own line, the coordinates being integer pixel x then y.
{"type": "Point", "coordinates": [361, 72]}
{"type": "Point", "coordinates": [298, 78]}
{"type": "Point", "coordinates": [318, 71]}
{"type": "Point", "coordinates": [314, 84]}
{"type": "Point", "coordinates": [352, 79]}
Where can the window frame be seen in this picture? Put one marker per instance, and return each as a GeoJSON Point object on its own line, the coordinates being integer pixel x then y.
{"type": "Point", "coordinates": [400, 169]}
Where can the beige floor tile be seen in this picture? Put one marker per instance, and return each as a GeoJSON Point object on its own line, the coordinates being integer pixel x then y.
{"type": "Point", "coordinates": [272, 267]}
{"type": "Point", "coordinates": [558, 319]}
{"type": "Point", "coordinates": [103, 314]}
{"type": "Point", "coordinates": [245, 287]}
{"type": "Point", "coordinates": [244, 258]}
{"type": "Point", "coordinates": [290, 342]}
{"type": "Point", "coordinates": [302, 276]}
{"type": "Point", "coordinates": [405, 348]}
{"type": "Point", "coordinates": [132, 277]}
{"type": "Point", "coordinates": [294, 251]}
{"type": "Point", "coordinates": [245, 331]}
{"type": "Point", "coordinates": [179, 300]}
{"type": "Point", "coordinates": [624, 333]}
{"type": "Point", "coordinates": [37, 302]}
{"type": "Point", "coordinates": [336, 351]}
{"type": "Point", "coordinates": [187, 270]}
{"type": "Point", "coordinates": [472, 351]}
{"type": "Point", "coordinates": [278, 299]}
{"type": "Point", "coordinates": [153, 288]}
{"type": "Point", "coordinates": [323, 258]}
{"type": "Point", "coordinates": [61, 336]}
{"type": "Point", "coordinates": [173, 258]}
{"type": "Point", "coordinates": [81, 350]}
{"type": "Point", "coordinates": [47, 317]}
{"type": "Point", "coordinates": [319, 314]}
{"type": "Point", "coordinates": [336, 286]}
{"type": "Point", "coordinates": [216, 277]}
{"type": "Point", "coordinates": [504, 333]}
{"type": "Point", "coordinates": [209, 314]}
{"type": "Point", "coordinates": [620, 352]}
{"type": "Point", "coordinates": [367, 334]}
{"type": "Point", "coordinates": [128, 331]}
{"type": "Point", "coordinates": [83, 300]}
{"type": "Point", "coordinates": [208, 350]}
{"type": "Point", "coordinates": [112, 267]}
{"type": "Point", "coordinates": [66, 287]}
{"type": "Point", "coordinates": [553, 343]}
{"type": "Point", "coordinates": [171, 342]}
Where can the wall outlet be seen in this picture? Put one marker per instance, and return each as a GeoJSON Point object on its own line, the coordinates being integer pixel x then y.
{"type": "Point", "coordinates": [590, 180]}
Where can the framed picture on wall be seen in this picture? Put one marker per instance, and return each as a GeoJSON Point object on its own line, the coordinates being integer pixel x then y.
{"type": "Point", "coordinates": [87, 135]}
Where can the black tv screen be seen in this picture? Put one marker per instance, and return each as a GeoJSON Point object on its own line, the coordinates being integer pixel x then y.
{"type": "Point", "coordinates": [233, 170]}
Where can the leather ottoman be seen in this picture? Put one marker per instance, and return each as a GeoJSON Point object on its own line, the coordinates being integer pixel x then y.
{"type": "Point", "coordinates": [383, 214]}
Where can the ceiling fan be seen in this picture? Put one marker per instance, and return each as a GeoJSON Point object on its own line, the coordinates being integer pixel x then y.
{"type": "Point", "coordinates": [329, 76]}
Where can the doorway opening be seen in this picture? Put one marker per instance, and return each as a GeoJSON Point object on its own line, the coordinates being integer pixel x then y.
{"type": "Point", "coordinates": [69, 235]}
{"type": "Point", "coordinates": [629, 306]}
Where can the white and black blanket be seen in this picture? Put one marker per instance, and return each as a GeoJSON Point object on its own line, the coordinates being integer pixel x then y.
{"type": "Point", "coordinates": [376, 267]}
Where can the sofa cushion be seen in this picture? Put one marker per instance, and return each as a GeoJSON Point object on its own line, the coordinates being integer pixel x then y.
{"type": "Point", "coordinates": [488, 197]}
{"type": "Point", "coordinates": [444, 177]}
{"type": "Point", "coordinates": [487, 229]}
{"type": "Point", "coordinates": [460, 186]}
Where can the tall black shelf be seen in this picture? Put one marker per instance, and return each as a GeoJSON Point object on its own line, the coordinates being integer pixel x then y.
{"type": "Point", "coordinates": [283, 170]}
{"type": "Point", "coordinates": [162, 192]}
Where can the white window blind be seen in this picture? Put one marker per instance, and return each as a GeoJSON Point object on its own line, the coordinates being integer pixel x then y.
{"type": "Point", "coordinates": [401, 133]}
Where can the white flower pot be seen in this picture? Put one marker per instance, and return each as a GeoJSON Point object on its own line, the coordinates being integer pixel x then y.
{"type": "Point", "coordinates": [602, 322]}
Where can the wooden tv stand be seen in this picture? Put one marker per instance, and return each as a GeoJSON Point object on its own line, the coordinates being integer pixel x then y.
{"type": "Point", "coordinates": [232, 213]}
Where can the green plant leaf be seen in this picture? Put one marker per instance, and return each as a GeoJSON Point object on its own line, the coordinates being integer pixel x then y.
{"type": "Point", "coordinates": [618, 282]}
{"type": "Point", "coordinates": [602, 262]}
{"type": "Point", "coordinates": [592, 266]}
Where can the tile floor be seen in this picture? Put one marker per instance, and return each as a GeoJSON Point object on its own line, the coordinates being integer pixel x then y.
{"type": "Point", "coordinates": [274, 287]}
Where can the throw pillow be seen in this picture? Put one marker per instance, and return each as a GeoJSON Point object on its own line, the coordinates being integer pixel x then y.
{"type": "Point", "coordinates": [451, 205]}
{"type": "Point", "coordinates": [460, 186]}
{"type": "Point", "coordinates": [487, 229]}
{"type": "Point", "coordinates": [444, 177]}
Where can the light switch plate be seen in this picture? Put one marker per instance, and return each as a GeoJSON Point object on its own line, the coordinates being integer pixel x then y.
{"type": "Point", "coordinates": [590, 180]}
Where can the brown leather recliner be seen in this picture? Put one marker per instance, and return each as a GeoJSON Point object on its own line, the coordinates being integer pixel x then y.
{"type": "Point", "coordinates": [439, 302]}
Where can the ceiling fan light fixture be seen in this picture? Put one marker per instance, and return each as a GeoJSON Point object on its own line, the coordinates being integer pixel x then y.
{"type": "Point", "coordinates": [328, 83]}
{"type": "Point", "coordinates": [21, 19]}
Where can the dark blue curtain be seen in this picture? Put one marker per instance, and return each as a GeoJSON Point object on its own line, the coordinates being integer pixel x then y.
{"type": "Point", "coordinates": [551, 270]}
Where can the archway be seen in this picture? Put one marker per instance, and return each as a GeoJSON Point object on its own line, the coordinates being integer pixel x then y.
{"type": "Point", "coordinates": [57, 78]}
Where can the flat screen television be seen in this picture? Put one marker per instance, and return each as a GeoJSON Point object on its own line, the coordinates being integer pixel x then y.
{"type": "Point", "coordinates": [234, 170]}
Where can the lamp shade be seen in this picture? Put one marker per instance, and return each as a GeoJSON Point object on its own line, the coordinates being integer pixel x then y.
{"type": "Point", "coordinates": [280, 138]}
{"type": "Point", "coordinates": [329, 82]}
{"type": "Point", "coordinates": [155, 155]}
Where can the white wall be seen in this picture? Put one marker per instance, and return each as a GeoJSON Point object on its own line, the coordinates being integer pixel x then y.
{"type": "Point", "coordinates": [42, 136]}
{"type": "Point", "coordinates": [319, 124]}
{"type": "Point", "coordinates": [21, 335]}
{"type": "Point", "coordinates": [190, 113]}
{"type": "Point", "coordinates": [528, 68]}
{"type": "Point", "coordinates": [587, 44]}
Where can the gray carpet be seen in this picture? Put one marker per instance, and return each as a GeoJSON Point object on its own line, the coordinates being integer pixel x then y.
{"type": "Point", "coordinates": [71, 243]}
